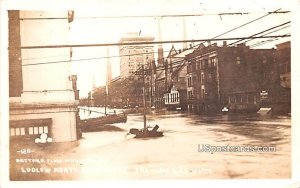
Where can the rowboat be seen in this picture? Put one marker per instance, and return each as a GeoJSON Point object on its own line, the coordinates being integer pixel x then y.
{"type": "Point", "coordinates": [95, 124]}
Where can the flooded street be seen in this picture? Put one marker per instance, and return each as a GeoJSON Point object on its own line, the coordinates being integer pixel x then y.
{"type": "Point", "coordinates": [193, 147]}
{"type": "Point", "coordinates": [178, 155]}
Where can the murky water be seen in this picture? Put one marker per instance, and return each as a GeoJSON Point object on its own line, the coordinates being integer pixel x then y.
{"type": "Point", "coordinates": [115, 155]}
{"type": "Point", "coordinates": [177, 155]}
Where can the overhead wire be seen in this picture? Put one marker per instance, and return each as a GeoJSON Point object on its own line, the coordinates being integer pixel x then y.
{"type": "Point", "coordinates": [204, 40]}
{"type": "Point", "coordinates": [269, 33]}
{"type": "Point", "coordinates": [269, 13]}
{"type": "Point", "coordinates": [154, 16]}
{"type": "Point", "coordinates": [280, 25]}
{"type": "Point", "coordinates": [222, 39]}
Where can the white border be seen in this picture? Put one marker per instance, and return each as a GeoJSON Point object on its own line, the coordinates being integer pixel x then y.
{"type": "Point", "coordinates": [67, 5]}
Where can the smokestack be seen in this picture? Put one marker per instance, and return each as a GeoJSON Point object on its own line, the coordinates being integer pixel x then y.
{"type": "Point", "coordinates": [160, 54]}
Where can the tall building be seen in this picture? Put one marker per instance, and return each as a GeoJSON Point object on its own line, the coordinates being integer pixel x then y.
{"type": "Point", "coordinates": [134, 56]}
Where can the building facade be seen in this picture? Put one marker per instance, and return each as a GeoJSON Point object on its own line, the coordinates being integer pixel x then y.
{"type": "Point", "coordinates": [283, 58]}
{"type": "Point", "coordinates": [231, 76]}
{"type": "Point", "coordinates": [42, 95]}
{"type": "Point", "coordinates": [132, 57]}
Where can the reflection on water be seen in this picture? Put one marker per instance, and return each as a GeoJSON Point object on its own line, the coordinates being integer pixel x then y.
{"type": "Point", "coordinates": [116, 155]}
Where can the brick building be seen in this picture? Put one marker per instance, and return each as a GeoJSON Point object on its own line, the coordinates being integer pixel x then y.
{"type": "Point", "coordinates": [283, 58]}
{"type": "Point", "coordinates": [231, 76]}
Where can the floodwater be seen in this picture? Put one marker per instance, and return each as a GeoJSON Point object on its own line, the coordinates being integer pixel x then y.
{"type": "Point", "coordinates": [115, 155]}
{"type": "Point", "coordinates": [178, 155]}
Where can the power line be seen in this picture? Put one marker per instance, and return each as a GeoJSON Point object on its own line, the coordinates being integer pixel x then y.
{"type": "Point", "coordinates": [276, 11]}
{"type": "Point", "coordinates": [237, 28]}
{"type": "Point", "coordinates": [247, 23]}
{"type": "Point", "coordinates": [269, 33]}
{"type": "Point", "coordinates": [265, 42]}
{"type": "Point", "coordinates": [141, 43]}
{"type": "Point", "coordinates": [155, 16]}
{"type": "Point", "coordinates": [87, 59]}
{"type": "Point", "coordinates": [263, 31]}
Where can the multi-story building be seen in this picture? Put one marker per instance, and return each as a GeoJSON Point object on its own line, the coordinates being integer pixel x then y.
{"type": "Point", "coordinates": [42, 95]}
{"type": "Point", "coordinates": [237, 77]}
{"type": "Point", "coordinates": [283, 58]}
{"type": "Point", "coordinates": [132, 57]}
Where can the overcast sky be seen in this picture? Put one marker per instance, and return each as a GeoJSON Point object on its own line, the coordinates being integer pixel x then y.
{"type": "Point", "coordinates": [104, 21]}
{"type": "Point", "coordinates": [97, 26]}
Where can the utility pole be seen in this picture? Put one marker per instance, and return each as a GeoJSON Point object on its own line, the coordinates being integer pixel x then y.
{"type": "Point", "coordinates": [105, 103]}
{"type": "Point", "coordinates": [151, 84]}
{"type": "Point", "coordinates": [144, 99]}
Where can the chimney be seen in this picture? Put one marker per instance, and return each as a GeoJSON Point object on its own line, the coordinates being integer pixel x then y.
{"type": "Point", "coordinates": [224, 43]}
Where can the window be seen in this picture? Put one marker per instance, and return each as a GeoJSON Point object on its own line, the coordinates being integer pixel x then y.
{"type": "Point", "coordinates": [210, 77]}
{"type": "Point", "coordinates": [189, 68]}
{"type": "Point", "coordinates": [232, 99]}
{"type": "Point", "coordinates": [21, 131]}
{"type": "Point", "coordinates": [203, 93]}
{"type": "Point", "coordinates": [267, 75]}
{"type": "Point", "coordinates": [29, 127]}
{"type": "Point", "coordinates": [189, 81]}
{"type": "Point", "coordinates": [202, 77]}
{"type": "Point", "coordinates": [238, 60]}
{"type": "Point", "coordinates": [12, 132]}
{"type": "Point", "coordinates": [203, 64]}
{"type": "Point", "coordinates": [238, 99]}
{"type": "Point", "coordinates": [214, 61]}
{"type": "Point", "coordinates": [264, 60]}
{"type": "Point", "coordinates": [198, 65]}
{"type": "Point", "coordinates": [250, 99]}
{"type": "Point", "coordinates": [198, 79]}
{"type": "Point", "coordinates": [190, 95]}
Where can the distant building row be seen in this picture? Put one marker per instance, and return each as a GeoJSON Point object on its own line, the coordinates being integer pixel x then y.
{"type": "Point", "coordinates": [206, 78]}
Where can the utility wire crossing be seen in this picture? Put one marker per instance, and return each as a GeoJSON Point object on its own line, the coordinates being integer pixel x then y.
{"type": "Point", "coordinates": [144, 43]}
